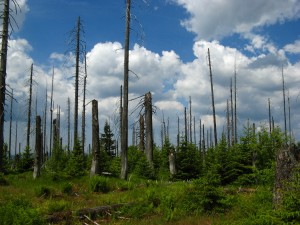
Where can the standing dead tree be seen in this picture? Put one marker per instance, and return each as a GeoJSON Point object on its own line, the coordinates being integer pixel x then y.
{"type": "Point", "coordinates": [38, 149]}
{"type": "Point", "coordinates": [124, 133]}
{"type": "Point", "coordinates": [284, 108]}
{"type": "Point", "coordinates": [142, 133]}
{"type": "Point", "coordinates": [149, 128]}
{"type": "Point", "coordinates": [51, 113]}
{"type": "Point", "coordinates": [95, 169]}
{"type": "Point", "coordinates": [29, 108]}
{"type": "Point", "coordinates": [212, 99]}
{"type": "Point", "coordinates": [69, 124]}
{"type": "Point", "coordinates": [83, 104]}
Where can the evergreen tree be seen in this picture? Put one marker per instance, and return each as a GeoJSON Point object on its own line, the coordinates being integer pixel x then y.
{"type": "Point", "coordinates": [107, 141]}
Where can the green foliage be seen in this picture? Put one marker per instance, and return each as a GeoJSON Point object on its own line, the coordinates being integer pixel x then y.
{"type": "Point", "coordinates": [99, 184]}
{"type": "Point", "coordinates": [187, 161]}
{"type": "Point", "coordinates": [76, 165]}
{"type": "Point", "coordinates": [115, 166]}
{"type": "Point", "coordinates": [19, 212]}
{"type": "Point", "coordinates": [3, 180]}
{"type": "Point", "coordinates": [67, 188]}
{"type": "Point", "coordinates": [43, 191]}
{"type": "Point", "coordinates": [57, 206]}
{"type": "Point", "coordinates": [107, 142]}
{"type": "Point", "coordinates": [205, 196]}
{"type": "Point", "coordinates": [26, 161]}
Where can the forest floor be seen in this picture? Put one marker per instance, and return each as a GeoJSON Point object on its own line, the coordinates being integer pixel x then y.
{"type": "Point", "coordinates": [57, 201]}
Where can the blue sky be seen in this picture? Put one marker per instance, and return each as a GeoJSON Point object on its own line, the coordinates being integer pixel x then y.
{"type": "Point", "coordinates": [169, 42]}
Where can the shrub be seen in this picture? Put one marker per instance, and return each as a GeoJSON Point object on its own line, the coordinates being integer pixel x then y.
{"type": "Point", "coordinates": [57, 206]}
{"type": "Point", "coordinates": [67, 188]}
{"type": "Point", "coordinates": [99, 184]}
{"type": "Point", "coordinates": [19, 211]}
{"type": "Point", "coordinates": [3, 180]}
{"type": "Point", "coordinates": [43, 191]}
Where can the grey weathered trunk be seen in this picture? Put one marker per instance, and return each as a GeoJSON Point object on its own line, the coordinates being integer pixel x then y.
{"type": "Point", "coordinates": [38, 149]}
{"type": "Point", "coordinates": [69, 123]}
{"type": "Point", "coordinates": [142, 133]}
{"type": "Point", "coordinates": [95, 169]}
{"type": "Point", "coordinates": [270, 122]}
{"type": "Point", "coordinates": [213, 100]}
{"type": "Point", "coordinates": [191, 136]}
{"type": "Point", "coordinates": [178, 132]}
{"type": "Point", "coordinates": [228, 124]}
{"type": "Point", "coordinates": [51, 113]}
{"type": "Point", "coordinates": [185, 126]}
{"type": "Point", "coordinates": [10, 123]}
{"type": "Point", "coordinates": [83, 106]}
{"type": "Point", "coordinates": [77, 55]}
{"type": "Point", "coordinates": [29, 108]}
{"type": "Point", "coordinates": [232, 116]}
{"type": "Point", "coordinates": [124, 141]}
{"type": "Point", "coordinates": [3, 62]}
{"type": "Point", "coordinates": [284, 109]}
{"type": "Point", "coordinates": [149, 128]}
{"type": "Point", "coordinates": [45, 126]}
{"type": "Point", "coordinates": [285, 165]}
{"type": "Point", "coordinates": [172, 165]}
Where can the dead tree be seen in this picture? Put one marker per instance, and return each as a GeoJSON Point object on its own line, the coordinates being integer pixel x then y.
{"type": "Point", "coordinates": [51, 113]}
{"type": "Point", "coordinates": [124, 134]}
{"type": "Point", "coordinates": [284, 109]}
{"type": "Point", "coordinates": [83, 104]}
{"type": "Point", "coordinates": [77, 54]}
{"type": "Point", "coordinates": [191, 138]}
{"type": "Point", "coordinates": [213, 100]}
{"type": "Point", "coordinates": [228, 124]}
{"type": "Point", "coordinates": [29, 107]}
{"type": "Point", "coordinates": [270, 122]}
{"type": "Point", "coordinates": [69, 124]}
{"type": "Point", "coordinates": [45, 125]}
{"type": "Point", "coordinates": [235, 109]}
{"type": "Point", "coordinates": [121, 116]}
{"type": "Point", "coordinates": [149, 128]}
{"type": "Point", "coordinates": [185, 126]}
{"type": "Point", "coordinates": [142, 133]}
{"type": "Point", "coordinates": [10, 123]}
{"type": "Point", "coordinates": [178, 132]}
{"type": "Point", "coordinates": [232, 117]}
{"type": "Point", "coordinates": [200, 135]}
{"type": "Point", "coordinates": [3, 62]}
{"type": "Point", "coordinates": [38, 149]}
{"type": "Point", "coordinates": [95, 169]}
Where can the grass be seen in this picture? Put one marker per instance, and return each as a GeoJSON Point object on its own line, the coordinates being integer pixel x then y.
{"type": "Point", "coordinates": [155, 202]}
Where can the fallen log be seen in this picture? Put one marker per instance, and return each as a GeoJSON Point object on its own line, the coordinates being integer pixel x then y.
{"type": "Point", "coordinates": [100, 210]}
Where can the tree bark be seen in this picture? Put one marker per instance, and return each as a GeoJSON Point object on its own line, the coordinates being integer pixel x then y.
{"type": "Point", "coordinates": [142, 133]}
{"type": "Point", "coordinates": [38, 148]}
{"type": "Point", "coordinates": [213, 101]}
{"type": "Point", "coordinates": [51, 113]}
{"type": "Point", "coordinates": [3, 62]}
{"type": "Point", "coordinates": [29, 108]}
{"type": "Point", "coordinates": [95, 169]}
{"type": "Point", "coordinates": [149, 128]}
{"type": "Point", "coordinates": [124, 141]}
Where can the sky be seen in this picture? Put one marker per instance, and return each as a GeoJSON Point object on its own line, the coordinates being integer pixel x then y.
{"type": "Point", "coordinates": [168, 57]}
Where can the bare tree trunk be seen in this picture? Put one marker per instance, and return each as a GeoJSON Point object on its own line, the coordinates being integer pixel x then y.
{"type": "Point", "coordinates": [95, 169]}
{"type": "Point", "coordinates": [172, 165]}
{"type": "Point", "coordinates": [124, 141]}
{"type": "Point", "coordinates": [191, 136]}
{"type": "Point", "coordinates": [10, 123]}
{"type": "Point", "coordinates": [83, 105]}
{"type": "Point", "coordinates": [51, 114]}
{"type": "Point", "coordinates": [142, 133]}
{"type": "Point", "coordinates": [178, 132]}
{"type": "Point", "coordinates": [149, 128]}
{"type": "Point", "coordinates": [38, 148]}
{"type": "Point", "coordinates": [185, 126]}
{"type": "Point", "coordinates": [232, 118]}
{"type": "Point", "coordinates": [3, 62]}
{"type": "Point", "coordinates": [228, 124]}
{"type": "Point", "coordinates": [16, 138]}
{"type": "Point", "coordinates": [121, 117]}
{"type": "Point", "coordinates": [195, 131]}
{"type": "Point", "coordinates": [29, 108]}
{"type": "Point", "coordinates": [45, 126]}
{"type": "Point", "coordinates": [270, 123]}
{"type": "Point", "coordinates": [235, 113]}
{"type": "Point", "coordinates": [77, 53]}
{"type": "Point", "coordinates": [213, 101]}
{"type": "Point", "coordinates": [284, 111]}
{"type": "Point", "coordinates": [200, 135]}
{"type": "Point", "coordinates": [290, 127]}
{"type": "Point", "coordinates": [69, 124]}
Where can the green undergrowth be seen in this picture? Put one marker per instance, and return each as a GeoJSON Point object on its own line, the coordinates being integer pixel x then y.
{"type": "Point", "coordinates": [201, 201]}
